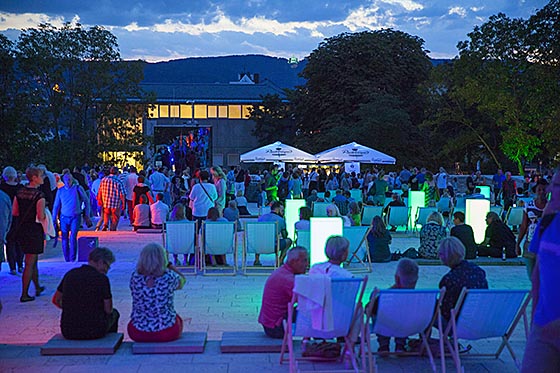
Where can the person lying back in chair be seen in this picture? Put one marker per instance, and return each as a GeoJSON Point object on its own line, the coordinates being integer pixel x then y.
{"type": "Point", "coordinates": [406, 277]}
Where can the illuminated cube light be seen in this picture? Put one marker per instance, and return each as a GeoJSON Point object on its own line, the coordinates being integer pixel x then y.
{"type": "Point", "coordinates": [485, 191]}
{"type": "Point", "coordinates": [475, 216]}
{"type": "Point", "coordinates": [321, 229]}
{"type": "Point", "coordinates": [291, 214]}
{"type": "Point", "coordinates": [416, 199]}
{"type": "Point", "coordinates": [356, 194]}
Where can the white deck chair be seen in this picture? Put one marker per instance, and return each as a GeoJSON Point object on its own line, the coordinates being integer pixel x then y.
{"type": "Point", "coordinates": [444, 205]}
{"type": "Point", "coordinates": [179, 237]}
{"type": "Point", "coordinates": [348, 321]}
{"type": "Point", "coordinates": [260, 238]}
{"type": "Point", "coordinates": [303, 238]}
{"type": "Point", "coordinates": [219, 238]}
{"type": "Point", "coordinates": [514, 216]}
{"type": "Point", "coordinates": [394, 317]}
{"type": "Point", "coordinates": [422, 216]}
{"type": "Point", "coordinates": [398, 215]}
{"type": "Point", "coordinates": [483, 313]}
{"type": "Point", "coordinates": [356, 194]}
{"type": "Point", "coordinates": [358, 248]}
{"type": "Point", "coordinates": [369, 212]}
{"type": "Point", "coordinates": [320, 209]}
{"type": "Point", "coordinates": [461, 203]}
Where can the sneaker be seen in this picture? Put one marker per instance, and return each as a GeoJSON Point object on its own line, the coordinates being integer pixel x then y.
{"type": "Point", "coordinates": [257, 263]}
{"type": "Point", "coordinates": [383, 351]}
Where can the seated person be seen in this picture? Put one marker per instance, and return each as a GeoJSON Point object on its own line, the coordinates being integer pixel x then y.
{"type": "Point", "coordinates": [158, 212]}
{"type": "Point", "coordinates": [336, 250]}
{"type": "Point", "coordinates": [214, 215]}
{"type": "Point", "coordinates": [242, 203]}
{"type": "Point", "coordinates": [406, 277]}
{"type": "Point", "coordinates": [231, 213]}
{"type": "Point", "coordinates": [84, 295]}
{"type": "Point", "coordinates": [477, 194]}
{"type": "Point", "coordinates": [179, 213]}
{"type": "Point", "coordinates": [395, 201]}
{"type": "Point", "coordinates": [465, 234]}
{"type": "Point", "coordinates": [141, 214]}
{"type": "Point", "coordinates": [278, 292]}
{"type": "Point", "coordinates": [461, 274]}
{"type": "Point", "coordinates": [341, 202]}
{"type": "Point", "coordinates": [303, 223]}
{"type": "Point", "coordinates": [327, 196]}
{"type": "Point", "coordinates": [355, 214]}
{"type": "Point", "coordinates": [497, 238]}
{"type": "Point", "coordinates": [311, 198]}
{"type": "Point", "coordinates": [431, 235]}
{"type": "Point", "coordinates": [379, 240]}
{"type": "Point", "coordinates": [276, 214]}
{"type": "Point", "coordinates": [332, 212]}
{"type": "Point", "coordinates": [153, 283]}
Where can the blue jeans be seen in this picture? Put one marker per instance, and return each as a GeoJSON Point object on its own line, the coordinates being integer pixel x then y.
{"type": "Point", "coordinates": [69, 226]}
{"type": "Point", "coordinates": [542, 352]}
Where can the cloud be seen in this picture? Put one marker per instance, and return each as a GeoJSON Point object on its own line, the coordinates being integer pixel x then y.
{"type": "Point", "coordinates": [409, 5]}
{"type": "Point", "coordinates": [461, 12]}
{"type": "Point", "coordinates": [29, 20]}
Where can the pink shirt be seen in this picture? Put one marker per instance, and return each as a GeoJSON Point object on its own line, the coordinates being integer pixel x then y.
{"type": "Point", "coordinates": [276, 296]}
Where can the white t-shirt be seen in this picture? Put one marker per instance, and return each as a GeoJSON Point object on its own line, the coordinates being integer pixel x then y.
{"type": "Point", "coordinates": [331, 270]}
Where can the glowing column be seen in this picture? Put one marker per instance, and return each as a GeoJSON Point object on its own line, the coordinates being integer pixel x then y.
{"type": "Point", "coordinates": [416, 199]}
{"type": "Point", "coordinates": [291, 214]}
{"type": "Point", "coordinates": [485, 191]}
{"type": "Point", "coordinates": [475, 216]}
{"type": "Point", "coordinates": [321, 229]}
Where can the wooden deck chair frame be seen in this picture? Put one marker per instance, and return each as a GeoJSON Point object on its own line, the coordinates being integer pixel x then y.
{"type": "Point", "coordinates": [182, 244]}
{"type": "Point", "coordinates": [221, 236]}
{"type": "Point", "coordinates": [398, 222]}
{"type": "Point", "coordinates": [366, 264]}
{"type": "Point", "coordinates": [369, 212]}
{"type": "Point", "coordinates": [424, 332]}
{"type": "Point", "coordinates": [454, 328]}
{"type": "Point", "coordinates": [421, 217]}
{"type": "Point", "coordinates": [247, 245]}
{"type": "Point", "coordinates": [356, 329]}
{"type": "Point", "coordinates": [514, 216]}
{"type": "Point", "coordinates": [320, 209]}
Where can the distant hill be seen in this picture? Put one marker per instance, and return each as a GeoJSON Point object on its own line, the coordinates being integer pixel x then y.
{"type": "Point", "coordinates": [226, 69]}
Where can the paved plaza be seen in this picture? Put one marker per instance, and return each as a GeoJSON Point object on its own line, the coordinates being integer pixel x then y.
{"type": "Point", "coordinates": [208, 304]}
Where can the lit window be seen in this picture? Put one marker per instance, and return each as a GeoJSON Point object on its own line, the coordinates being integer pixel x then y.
{"type": "Point", "coordinates": [164, 111]}
{"type": "Point", "coordinates": [213, 113]}
{"type": "Point", "coordinates": [153, 111]}
{"type": "Point", "coordinates": [174, 111]}
{"type": "Point", "coordinates": [200, 111]}
{"type": "Point", "coordinates": [222, 111]}
{"type": "Point", "coordinates": [186, 111]}
{"type": "Point", "coordinates": [246, 112]}
{"type": "Point", "coordinates": [234, 111]}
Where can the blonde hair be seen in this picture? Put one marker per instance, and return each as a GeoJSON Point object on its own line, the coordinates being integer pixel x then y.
{"type": "Point", "coordinates": [451, 251]}
{"type": "Point", "coordinates": [435, 217]}
{"type": "Point", "coordinates": [217, 170]}
{"type": "Point", "coordinates": [152, 260]}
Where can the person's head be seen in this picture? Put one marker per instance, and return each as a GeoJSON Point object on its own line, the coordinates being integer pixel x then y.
{"type": "Point", "coordinates": [213, 214]}
{"type": "Point", "coordinates": [378, 227]}
{"type": "Point", "coordinates": [159, 197]}
{"type": "Point", "coordinates": [101, 259]}
{"type": "Point", "coordinates": [113, 170]}
{"type": "Point", "coordinates": [141, 179]}
{"type": "Point", "coordinates": [9, 173]}
{"type": "Point", "coordinates": [152, 260]}
{"type": "Point", "coordinates": [435, 217]}
{"type": "Point", "coordinates": [477, 190]}
{"type": "Point", "coordinates": [508, 175]}
{"type": "Point", "coordinates": [34, 175]}
{"type": "Point", "coordinates": [203, 175]}
{"type": "Point", "coordinates": [332, 210]}
{"type": "Point", "coordinates": [327, 194]}
{"type": "Point", "coordinates": [132, 169]}
{"type": "Point", "coordinates": [492, 217]}
{"type": "Point", "coordinates": [298, 259]}
{"type": "Point", "coordinates": [240, 193]}
{"type": "Point", "coordinates": [451, 251]}
{"type": "Point", "coordinates": [143, 199]}
{"type": "Point", "coordinates": [353, 208]}
{"type": "Point", "coordinates": [178, 213]}
{"type": "Point", "coordinates": [406, 275]}
{"type": "Point", "coordinates": [277, 207]}
{"type": "Point", "coordinates": [68, 179]}
{"type": "Point", "coordinates": [458, 217]}
{"type": "Point", "coordinates": [304, 213]}
{"type": "Point", "coordinates": [232, 204]}
{"type": "Point", "coordinates": [217, 172]}
{"type": "Point", "coordinates": [336, 249]}
{"type": "Point", "coordinates": [540, 189]}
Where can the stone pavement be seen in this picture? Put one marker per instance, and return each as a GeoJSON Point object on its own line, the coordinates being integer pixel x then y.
{"type": "Point", "coordinates": [213, 304]}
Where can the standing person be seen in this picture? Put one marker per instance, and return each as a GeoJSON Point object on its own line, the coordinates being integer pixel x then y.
{"type": "Point", "coordinates": [202, 196]}
{"type": "Point", "coordinates": [430, 189]}
{"type": "Point", "coordinates": [111, 197]}
{"type": "Point", "coordinates": [220, 183]}
{"type": "Point", "coordinates": [5, 221]}
{"type": "Point", "coordinates": [542, 352]}
{"type": "Point", "coordinates": [239, 180]}
{"type": "Point", "coordinates": [141, 189]}
{"type": "Point", "coordinates": [84, 295]}
{"type": "Point", "coordinates": [441, 180]}
{"type": "Point", "coordinates": [464, 233]}
{"type": "Point", "coordinates": [509, 191]}
{"type": "Point", "coordinates": [68, 208]}
{"type": "Point", "coordinates": [297, 184]}
{"type": "Point", "coordinates": [29, 205]}
{"type": "Point", "coordinates": [152, 285]}
{"type": "Point", "coordinates": [158, 212]}
{"type": "Point", "coordinates": [271, 185]}
{"type": "Point", "coordinates": [129, 184]}
{"type": "Point", "coordinates": [159, 182]}
{"type": "Point", "coordinates": [497, 182]}
{"type": "Point", "coordinates": [14, 255]}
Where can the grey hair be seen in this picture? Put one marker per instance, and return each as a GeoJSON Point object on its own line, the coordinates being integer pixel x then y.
{"type": "Point", "coordinates": [101, 253]}
{"type": "Point", "coordinates": [332, 208]}
{"type": "Point", "coordinates": [336, 248]}
{"type": "Point", "coordinates": [407, 269]}
{"type": "Point", "coordinates": [435, 217]}
{"type": "Point", "coordinates": [9, 173]}
{"type": "Point", "coordinates": [451, 251]}
{"type": "Point", "coordinates": [296, 252]}
{"type": "Point", "coordinates": [152, 260]}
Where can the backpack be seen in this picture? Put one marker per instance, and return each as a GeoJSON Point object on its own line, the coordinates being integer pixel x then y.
{"type": "Point", "coordinates": [282, 189]}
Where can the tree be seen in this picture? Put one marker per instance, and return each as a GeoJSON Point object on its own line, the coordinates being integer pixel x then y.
{"type": "Point", "coordinates": [273, 120]}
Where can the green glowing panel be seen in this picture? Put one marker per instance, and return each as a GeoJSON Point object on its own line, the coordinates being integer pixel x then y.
{"type": "Point", "coordinates": [291, 214]}
{"type": "Point", "coordinates": [356, 194]}
{"type": "Point", "coordinates": [475, 216]}
{"type": "Point", "coordinates": [321, 229]}
{"type": "Point", "coordinates": [416, 199]}
{"type": "Point", "coordinates": [485, 191]}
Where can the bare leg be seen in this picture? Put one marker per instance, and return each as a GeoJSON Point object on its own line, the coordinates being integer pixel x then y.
{"type": "Point", "coordinates": [28, 273]}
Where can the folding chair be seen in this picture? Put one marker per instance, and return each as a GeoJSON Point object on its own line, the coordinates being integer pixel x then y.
{"type": "Point", "coordinates": [345, 307]}
{"type": "Point", "coordinates": [369, 212]}
{"type": "Point", "coordinates": [461, 203]}
{"type": "Point", "coordinates": [179, 237]}
{"type": "Point", "coordinates": [398, 215]}
{"type": "Point", "coordinates": [219, 238]}
{"type": "Point", "coordinates": [320, 209]}
{"type": "Point", "coordinates": [483, 313]}
{"type": "Point", "coordinates": [444, 205]}
{"type": "Point", "coordinates": [356, 194]}
{"type": "Point", "coordinates": [514, 216]}
{"type": "Point", "coordinates": [303, 238]}
{"type": "Point", "coordinates": [260, 238]}
{"type": "Point", "coordinates": [358, 248]}
{"type": "Point", "coordinates": [404, 312]}
{"type": "Point", "coordinates": [497, 209]}
{"type": "Point", "coordinates": [422, 216]}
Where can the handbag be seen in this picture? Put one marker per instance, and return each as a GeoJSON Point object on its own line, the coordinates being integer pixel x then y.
{"type": "Point", "coordinates": [47, 223]}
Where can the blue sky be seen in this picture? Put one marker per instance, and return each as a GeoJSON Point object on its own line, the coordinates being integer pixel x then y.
{"type": "Point", "coordinates": [159, 30]}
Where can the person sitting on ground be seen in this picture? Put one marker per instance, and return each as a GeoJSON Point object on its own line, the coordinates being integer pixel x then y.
{"type": "Point", "coordinates": [242, 203]}
{"type": "Point", "coordinates": [464, 233]}
{"type": "Point", "coordinates": [141, 214]}
{"type": "Point", "coordinates": [231, 213]}
{"type": "Point", "coordinates": [498, 239]}
{"type": "Point", "coordinates": [406, 277]}
{"type": "Point", "coordinates": [462, 274]}
{"type": "Point", "coordinates": [395, 201]}
{"type": "Point", "coordinates": [336, 250]}
{"type": "Point", "coordinates": [276, 214]}
{"type": "Point", "coordinates": [379, 240]}
{"type": "Point", "coordinates": [333, 212]}
{"type": "Point", "coordinates": [153, 283]}
{"type": "Point", "coordinates": [179, 214]}
{"type": "Point", "coordinates": [277, 292]}
{"type": "Point", "coordinates": [158, 212]}
{"type": "Point", "coordinates": [303, 224]}
{"type": "Point", "coordinates": [84, 295]}
{"type": "Point", "coordinates": [431, 235]}
{"type": "Point", "coordinates": [354, 213]}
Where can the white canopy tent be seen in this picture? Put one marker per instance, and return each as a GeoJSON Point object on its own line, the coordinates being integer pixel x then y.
{"type": "Point", "coordinates": [354, 152]}
{"type": "Point", "coordinates": [278, 152]}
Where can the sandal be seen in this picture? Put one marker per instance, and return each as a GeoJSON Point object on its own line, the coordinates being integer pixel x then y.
{"type": "Point", "coordinates": [26, 298]}
{"type": "Point", "coordinates": [39, 290]}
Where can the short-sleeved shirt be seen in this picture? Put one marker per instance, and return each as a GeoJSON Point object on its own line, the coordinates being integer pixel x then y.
{"type": "Point", "coordinates": [152, 307]}
{"type": "Point", "coordinates": [84, 291]}
{"type": "Point", "coordinates": [331, 270]}
{"type": "Point", "coordinates": [271, 217]}
{"type": "Point", "coordinates": [276, 296]}
{"type": "Point", "coordinates": [534, 214]}
{"type": "Point", "coordinates": [111, 190]}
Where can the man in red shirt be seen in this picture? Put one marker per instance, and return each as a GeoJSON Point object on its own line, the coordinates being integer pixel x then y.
{"type": "Point", "coordinates": [278, 292]}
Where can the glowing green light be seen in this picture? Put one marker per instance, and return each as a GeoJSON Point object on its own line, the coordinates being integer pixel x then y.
{"type": "Point", "coordinates": [416, 199]}
{"type": "Point", "coordinates": [291, 214]}
{"type": "Point", "coordinates": [475, 216]}
{"type": "Point", "coordinates": [485, 191]}
{"type": "Point", "coordinates": [321, 229]}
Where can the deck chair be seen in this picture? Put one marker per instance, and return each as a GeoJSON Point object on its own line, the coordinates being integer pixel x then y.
{"type": "Point", "coordinates": [179, 237]}
{"type": "Point", "coordinates": [461, 203]}
{"type": "Point", "coordinates": [422, 216]}
{"type": "Point", "coordinates": [514, 216]}
{"type": "Point", "coordinates": [398, 215]}
{"type": "Point", "coordinates": [219, 238]}
{"type": "Point", "coordinates": [303, 238]}
{"type": "Point", "coordinates": [320, 209]}
{"type": "Point", "coordinates": [483, 313]}
{"type": "Point", "coordinates": [260, 238]}
{"type": "Point", "coordinates": [497, 209]}
{"type": "Point", "coordinates": [356, 194]}
{"type": "Point", "coordinates": [444, 205]}
{"type": "Point", "coordinates": [358, 248]}
{"type": "Point", "coordinates": [347, 319]}
{"type": "Point", "coordinates": [369, 212]}
{"type": "Point", "coordinates": [405, 312]}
